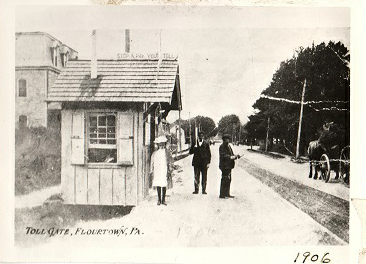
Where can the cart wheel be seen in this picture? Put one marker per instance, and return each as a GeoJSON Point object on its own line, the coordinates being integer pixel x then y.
{"type": "Point", "coordinates": [325, 167]}
{"type": "Point", "coordinates": [344, 162]}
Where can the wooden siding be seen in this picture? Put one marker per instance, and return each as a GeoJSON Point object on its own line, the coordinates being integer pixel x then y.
{"type": "Point", "coordinates": [119, 80]}
{"type": "Point", "coordinates": [104, 184]}
{"type": "Point", "coordinates": [67, 171]}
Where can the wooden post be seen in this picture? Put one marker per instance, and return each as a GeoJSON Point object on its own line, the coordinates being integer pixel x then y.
{"type": "Point", "coordinates": [267, 134]}
{"type": "Point", "coordinates": [195, 132]}
{"type": "Point", "coordinates": [180, 135]}
{"type": "Point", "coordinates": [300, 121]}
{"type": "Point", "coordinates": [239, 132]}
{"type": "Point", "coordinates": [176, 134]}
{"type": "Point", "coordinates": [190, 128]}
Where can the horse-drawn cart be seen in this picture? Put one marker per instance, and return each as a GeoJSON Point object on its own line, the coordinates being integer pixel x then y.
{"type": "Point", "coordinates": [330, 152]}
{"type": "Point", "coordinates": [340, 165]}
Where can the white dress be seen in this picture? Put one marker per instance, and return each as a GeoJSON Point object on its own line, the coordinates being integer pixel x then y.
{"type": "Point", "coordinates": [160, 168]}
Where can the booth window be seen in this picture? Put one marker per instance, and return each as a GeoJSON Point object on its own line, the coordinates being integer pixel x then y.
{"type": "Point", "coordinates": [102, 147]}
{"type": "Point", "coordinates": [22, 88]}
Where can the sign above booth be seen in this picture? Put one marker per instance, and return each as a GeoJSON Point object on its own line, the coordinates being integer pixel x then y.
{"type": "Point", "coordinates": [148, 56]}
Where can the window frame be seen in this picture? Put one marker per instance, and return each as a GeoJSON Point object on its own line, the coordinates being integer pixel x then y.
{"type": "Point", "coordinates": [55, 56]}
{"type": "Point", "coordinates": [101, 146]}
{"type": "Point", "coordinates": [26, 90]}
{"type": "Point", "coordinates": [64, 58]}
{"type": "Point", "coordinates": [26, 121]}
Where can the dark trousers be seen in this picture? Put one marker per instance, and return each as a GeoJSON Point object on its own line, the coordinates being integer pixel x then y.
{"type": "Point", "coordinates": [159, 194]}
{"type": "Point", "coordinates": [197, 172]}
{"type": "Point", "coordinates": [225, 183]}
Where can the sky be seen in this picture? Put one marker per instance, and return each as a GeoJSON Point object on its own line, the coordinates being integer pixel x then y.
{"type": "Point", "coordinates": [227, 56]}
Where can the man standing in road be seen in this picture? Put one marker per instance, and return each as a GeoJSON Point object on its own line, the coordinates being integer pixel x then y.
{"type": "Point", "coordinates": [226, 164]}
{"type": "Point", "coordinates": [200, 162]}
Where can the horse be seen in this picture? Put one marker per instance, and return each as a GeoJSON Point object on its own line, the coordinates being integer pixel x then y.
{"type": "Point", "coordinates": [315, 151]}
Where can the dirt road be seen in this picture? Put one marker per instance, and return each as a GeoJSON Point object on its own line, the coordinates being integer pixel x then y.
{"type": "Point", "coordinates": [257, 216]}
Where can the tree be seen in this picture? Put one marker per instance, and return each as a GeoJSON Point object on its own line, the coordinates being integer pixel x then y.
{"type": "Point", "coordinates": [327, 95]}
{"type": "Point", "coordinates": [229, 124]}
{"type": "Point", "coordinates": [206, 124]}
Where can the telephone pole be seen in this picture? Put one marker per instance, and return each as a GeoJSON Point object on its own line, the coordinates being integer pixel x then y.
{"type": "Point", "coordinates": [300, 121]}
{"type": "Point", "coordinates": [239, 132]}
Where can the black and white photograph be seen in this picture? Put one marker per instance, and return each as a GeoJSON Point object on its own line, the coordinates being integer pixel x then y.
{"type": "Point", "coordinates": [201, 128]}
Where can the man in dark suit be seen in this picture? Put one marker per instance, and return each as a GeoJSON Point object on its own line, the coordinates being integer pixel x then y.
{"type": "Point", "coordinates": [200, 162]}
{"type": "Point", "coordinates": [227, 163]}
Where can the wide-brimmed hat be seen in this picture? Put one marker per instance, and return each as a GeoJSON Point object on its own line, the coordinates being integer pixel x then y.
{"type": "Point", "coordinates": [226, 136]}
{"type": "Point", "coordinates": [161, 139]}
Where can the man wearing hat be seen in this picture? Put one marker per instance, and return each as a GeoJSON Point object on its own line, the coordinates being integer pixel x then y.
{"type": "Point", "coordinates": [226, 164]}
{"type": "Point", "coordinates": [201, 161]}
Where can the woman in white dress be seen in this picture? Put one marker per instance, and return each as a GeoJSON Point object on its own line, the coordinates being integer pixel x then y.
{"type": "Point", "coordinates": [160, 169]}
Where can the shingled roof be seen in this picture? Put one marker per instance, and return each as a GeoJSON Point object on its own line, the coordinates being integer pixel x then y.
{"type": "Point", "coordinates": [118, 81]}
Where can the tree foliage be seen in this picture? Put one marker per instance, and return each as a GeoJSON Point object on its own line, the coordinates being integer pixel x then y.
{"type": "Point", "coordinates": [229, 124]}
{"type": "Point", "coordinates": [327, 94]}
{"type": "Point", "coordinates": [204, 123]}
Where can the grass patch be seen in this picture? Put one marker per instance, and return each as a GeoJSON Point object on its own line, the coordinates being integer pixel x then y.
{"type": "Point", "coordinates": [269, 154]}
{"type": "Point", "coordinates": [37, 159]}
{"type": "Point", "coordinates": [328, 210]}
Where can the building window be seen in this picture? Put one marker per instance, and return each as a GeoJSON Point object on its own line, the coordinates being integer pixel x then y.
{"type": "Point", "coordinates": [22, 88]}
{"type": "Point", "coordinates": [102, 140]}
{"type": "Point", "coordinates": [55, 57]}
{"type": "Point", "coordinates": [66, 55]}
{"type": "Point", "coordinates": [23, 120]}
{"type": "Point", "coordinates": [64, 58]}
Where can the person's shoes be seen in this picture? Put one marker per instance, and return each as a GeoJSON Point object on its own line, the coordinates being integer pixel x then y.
{"type": "Point", "coordinates": [222, 197]}
{"type": "Point", "coordinates": [164, 203]}
{"type": "Point", "coordinates": [230, 196]}
{"type": "Point", "coordinates": [158, 203]}
{"type": "Point", "coordinates": [204, 192]}
{"type": "Point", "coordinates": [195, 192]}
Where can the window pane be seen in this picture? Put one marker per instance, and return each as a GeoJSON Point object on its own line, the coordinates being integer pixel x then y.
{"type": "Point", "coordinates": [102, 120]}
{"type": "Point", "coordinates": [93, 121]}
{"type": "Point", "coordinates": [102, 130]}
{"type": "Point", "coordinates": [111, 120]}
{"type": "Point", "coordinates": [22, 121]}
{"type": "Point", "coordinates": [111, 129]}
{"type": "Point", "coordinates": [109, 135]}
{"type": "Point", "coordinates": [102, 155]}
{"type": "Point", "coordinates": [22, 88]}
{"type": "Point", "coordinates": [22, 83]}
